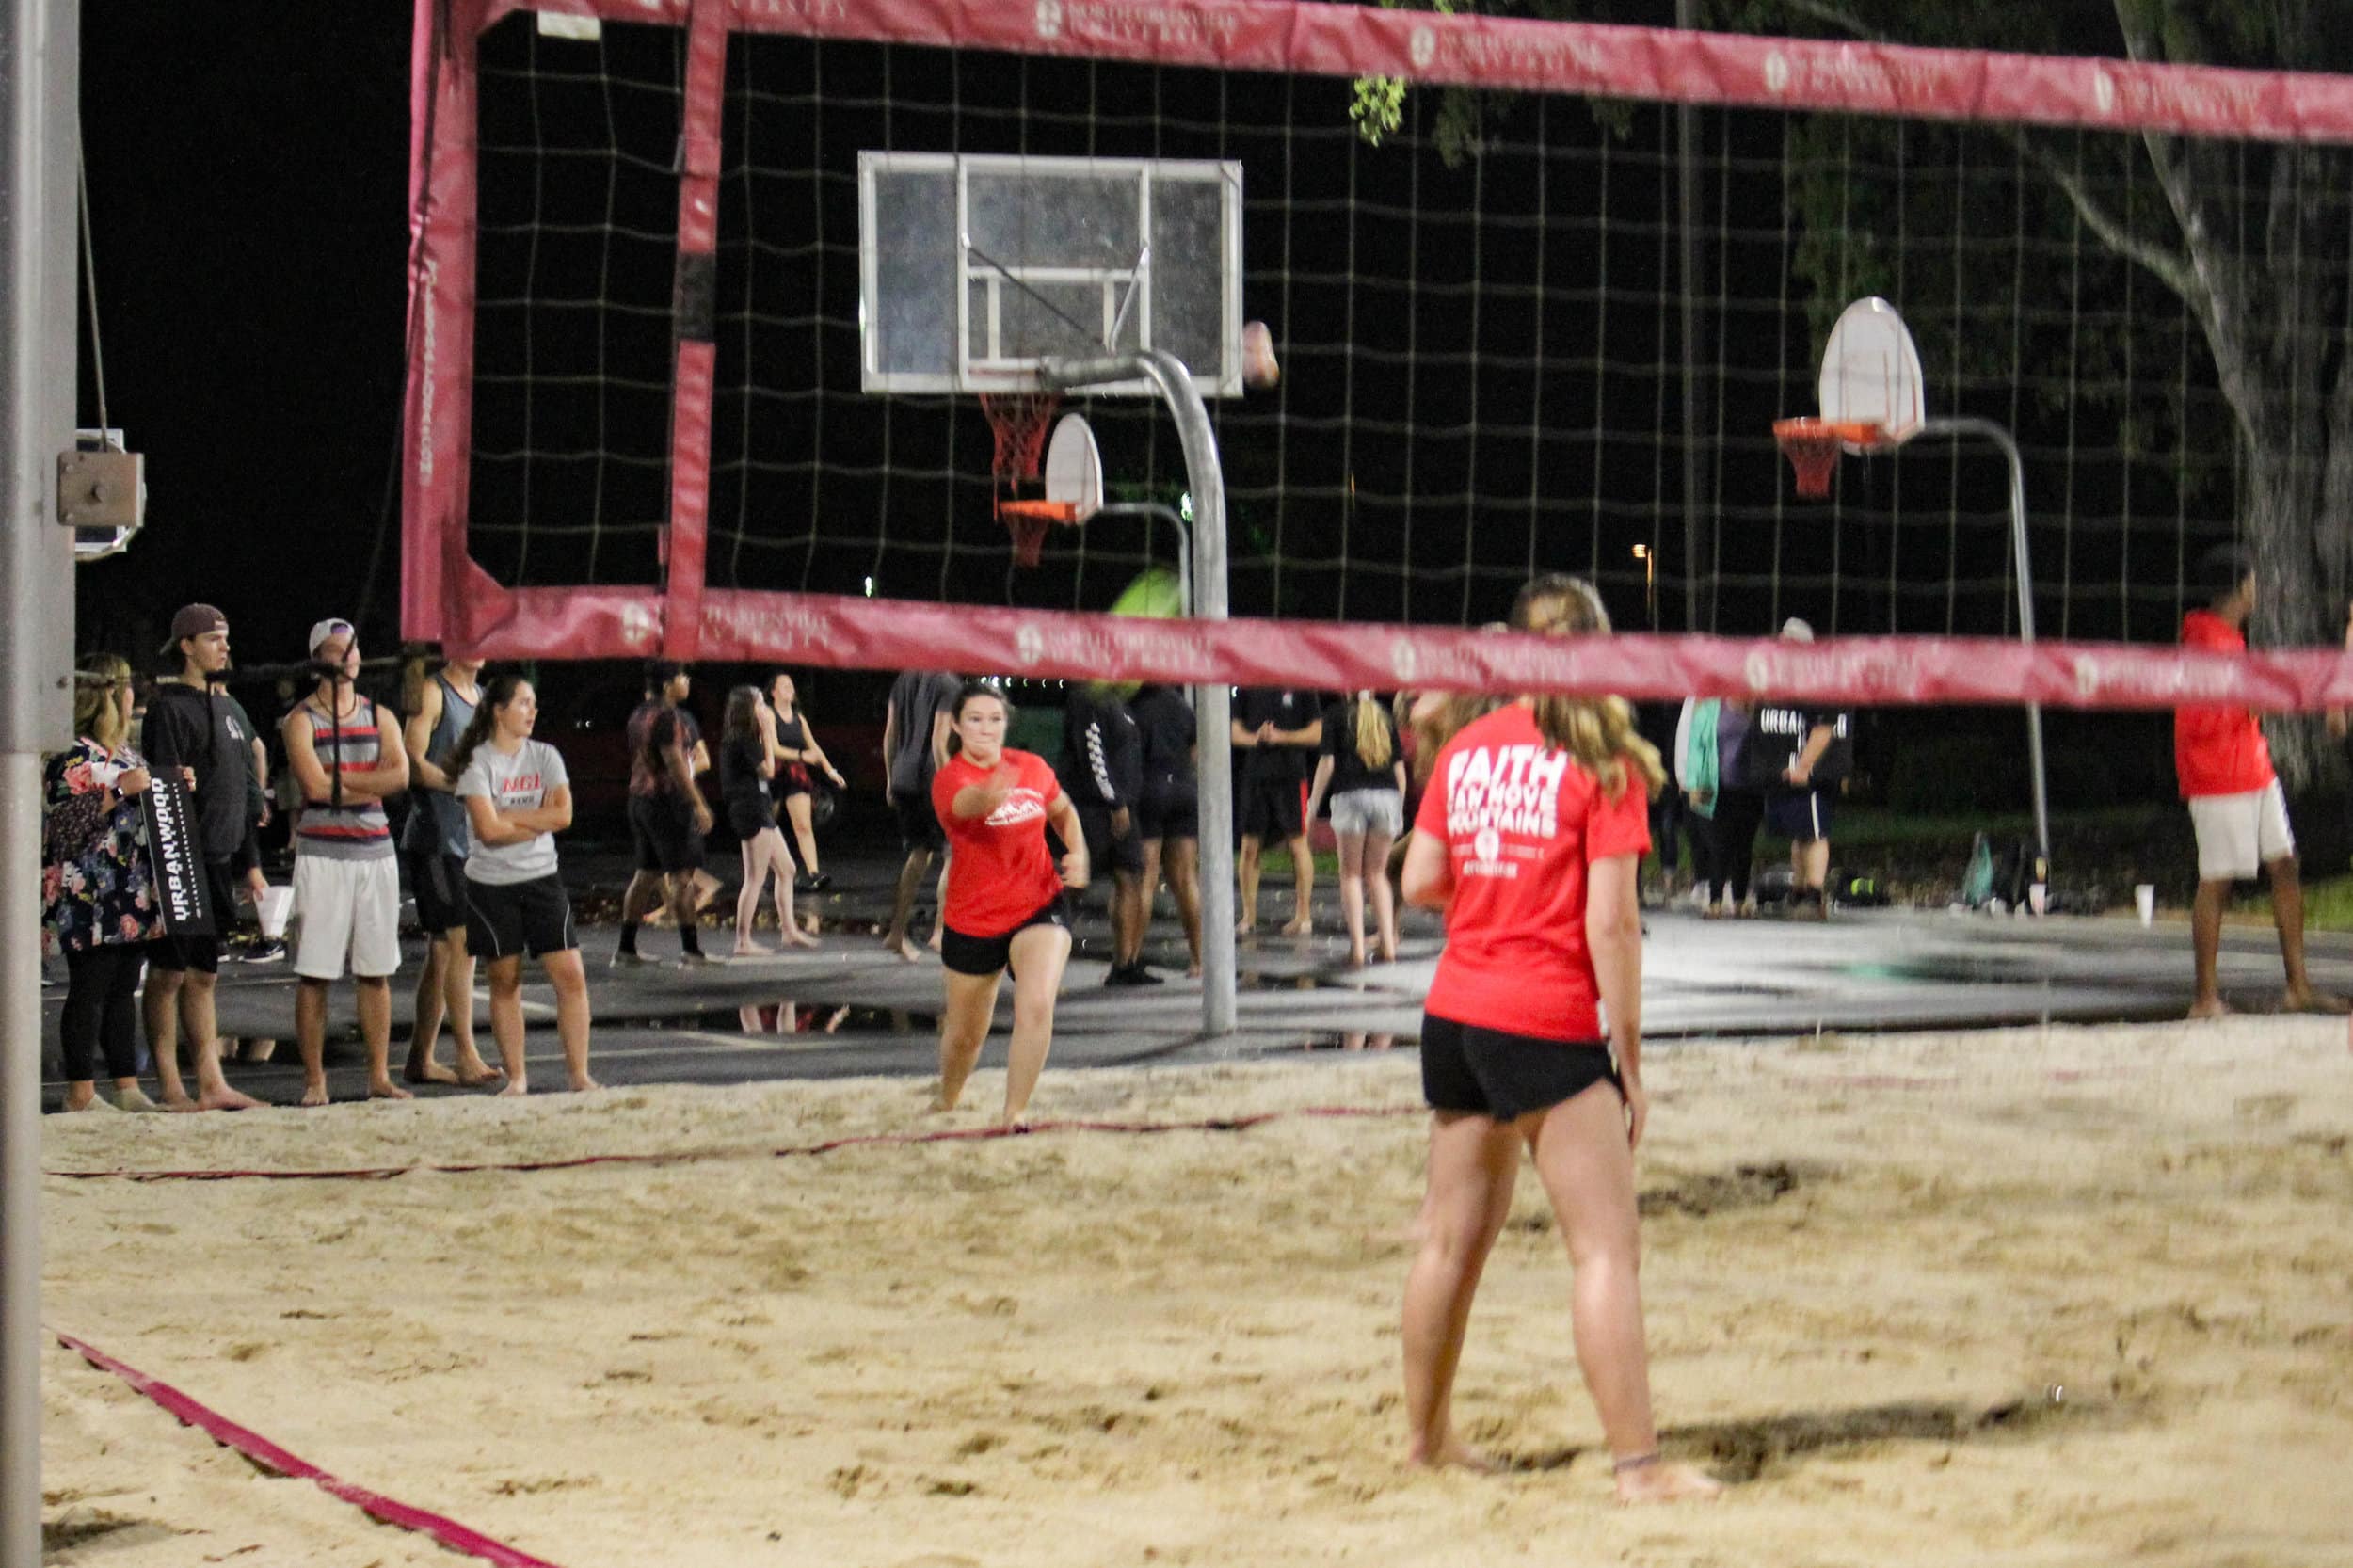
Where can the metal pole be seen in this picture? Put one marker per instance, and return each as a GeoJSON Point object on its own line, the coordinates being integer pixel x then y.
{"type": "Point", "coordinates": [1971, 425]}
{"type": "Point", "coordinates": [1696, 567]}
{"type": "Point", "coordinates": [38, 102]}
{"type": "Point", "coordinates": [1212, 705]}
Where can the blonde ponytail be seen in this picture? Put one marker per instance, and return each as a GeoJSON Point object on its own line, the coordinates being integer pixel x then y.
{"type": "Point", "coordinates": [1597, 731]}
{"type": "Point", "coordinates": [1371, 734]}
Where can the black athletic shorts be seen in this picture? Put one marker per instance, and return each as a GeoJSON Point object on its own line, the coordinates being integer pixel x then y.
{"type": "Point", "coordinates": [1105, 852]}
{"type": "Point", "coordinates": [504, 920]}
{"type": "Point", "coordinates": [1169, 816]}
{"type": "Point", "coordinates": [1272, 808]}
{"type": "Point", "coordinates": [1487, 1072]}
{"type": "Point", "coordinates": [1799, 815]}
{"type": "Point", "coordinates": [986, 955]}
{"type": "Point", "coordinates": [919, 824]}
{"type": "Point", "coordinates": [179, 954]}
{"type": "Point", "coordinates": [749, 816]}
{"type": "Point", "coordinates": [438, 883]}
{"type": "Point", "coordinates": [663, 828]}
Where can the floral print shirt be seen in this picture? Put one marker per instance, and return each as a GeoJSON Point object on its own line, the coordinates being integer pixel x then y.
{"type": "Point", "coordinates": [96, 884]}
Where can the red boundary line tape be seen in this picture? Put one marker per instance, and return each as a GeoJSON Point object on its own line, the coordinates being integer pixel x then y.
{"type": "Point", "coordinates": [831, 1145]}
{"type": "Point", "coordinates": [268, 1455]}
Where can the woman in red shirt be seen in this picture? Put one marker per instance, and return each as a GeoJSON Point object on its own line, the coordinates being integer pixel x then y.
{"type": "Point", "coordinates": [1004, 907]}
{"type": "Point", "coordinates": [1527, 838]}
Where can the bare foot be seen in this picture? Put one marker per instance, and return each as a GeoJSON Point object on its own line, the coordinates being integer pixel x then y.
{"type": "Point", "coordinates": [942, 1102]}
{"type": "Point", "coordinates": [903, 947]}
{"type": "Point", "coordinates": [801, 939]}
{"type": "Point", "coordinates": [2310, 1000]}
{"type": "Point", "coordinates": [1298, 928]}
{"type": "Point", "coordinates": [257, 1050]}
{"type": "Point", "coordinates": [313, 1094]}
{"type": "Point", "coordinates": [937, 938]}
{"type": "Point", "coordinates": [1455, 1454]}
{"type": "Point", "coordinates": [181, 1102]}
{"type": "Point", "coordinates": [222, 1097]}
{"type": "Point", "coordinates": [1356, 958]}
{"type": "Point", "coordinates": [1192, 972]}
{"type": "Point", "coordinates": [1388, 952]}
{"type": "Point", "coordinates": [752, 949]}
{"type": "Point", "coordinates": [1657, 1482]}
{"type": "Point", "coordinates": [385, 1089]}
{"type": "Point", "coordinates": [518, 1088]}
{"type": "Point", "coordinates": [586, 1085]}
{"type": "Point", "coordinates": [426, 1071]}
{"type": "Point", "coordinates": [473, 1072]}
{"type": "Point", "coordinates": [1245, 928]}
{"type": "Point", "coordinates": [2209, 1007]}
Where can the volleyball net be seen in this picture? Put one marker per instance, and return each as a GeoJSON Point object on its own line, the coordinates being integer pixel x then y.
{"type": "Point", "coordinates": [1540, 289]}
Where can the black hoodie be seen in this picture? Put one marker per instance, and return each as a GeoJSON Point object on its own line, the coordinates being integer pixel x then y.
{"type": "Point", "coordinates": [190, 728]}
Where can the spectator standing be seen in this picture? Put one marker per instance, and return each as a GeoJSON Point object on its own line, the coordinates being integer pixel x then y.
{"type": "Point", "coordinates": [2236, 803]}
{"type": "Point", "coordinates": [1798, 756]}
{"type": "Point", "coordinates": [1102, 772]}
{"type": "Point", "coordinates": [799, 760]}
{"type": "Point", "coordinates": [517, 797]}
{"type": "Point", "coordinates": [667, 815]}
{"type": "Point", "coordinates": [99, 900]}
{"type": "Point", "coordinates": [1279, 729]}
{"type": "Point", "coordinates": [1168, 808]}
{"type": "Point", "coordinates": [915, 747]}
{"type": "Point", "coordinates": [349, 759]}
{"type": "Point", "coordinates": [747, 763]}
{"type": "Point", "coordinates": [190, 733]}
{"type": "Point", "coordinates": [1363, 768]}
{"type": "Point", "coordinates": [434, 842]}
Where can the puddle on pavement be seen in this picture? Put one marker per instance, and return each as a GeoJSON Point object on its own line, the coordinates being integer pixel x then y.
{"type": "Point", "coordinates": [786, 1016]}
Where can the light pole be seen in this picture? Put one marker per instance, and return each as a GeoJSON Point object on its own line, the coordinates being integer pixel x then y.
{"type": "Point", "coordinates": [1650, 584]}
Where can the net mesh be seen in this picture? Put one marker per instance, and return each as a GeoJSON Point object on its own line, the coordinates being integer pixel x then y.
{"type": "Point", "coordinates": [1487, 322]}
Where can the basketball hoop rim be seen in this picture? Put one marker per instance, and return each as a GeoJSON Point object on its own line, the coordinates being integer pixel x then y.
{"type": "Point", "coordinates": [1854, 435]}
{"type": "Point", "coordinates": [1042, 511]}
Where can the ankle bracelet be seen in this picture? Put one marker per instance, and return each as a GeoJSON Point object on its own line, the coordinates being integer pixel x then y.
{"type": "Point", "coordinates": [1640, 1462]}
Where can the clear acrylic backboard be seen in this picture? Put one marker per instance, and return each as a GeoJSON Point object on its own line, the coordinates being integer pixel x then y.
{"type": "Point", "coordinates": [974, 270]}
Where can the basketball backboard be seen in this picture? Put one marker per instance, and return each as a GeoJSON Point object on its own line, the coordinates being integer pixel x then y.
{"type": "Point", "coordinates": [974, 270]}
{"type": "Point", "coordinates": [1872, 372]}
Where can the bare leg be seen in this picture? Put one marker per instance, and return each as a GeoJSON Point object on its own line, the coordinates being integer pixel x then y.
{"type": "Point", "coordinates": [1814, 864]}
{"type": "Point", "coordinates": [755, 852]}
{"type": "Point", "coordinates": [1588, 1170]}
{"type": "Point", "coordinates": [1038, 957]}
{"type": "Point", "coordinates": [457, 1008]}
{"type": "Point", "coordinates": [572, 1014]}
{"type": "Point", "coordinates": [939, 909]}
{"type": "Point", "coordinates": [161, 1005]}
{"type": "Point", "coordinates": [962, 1030]}
{"type": "Point", "coordinates": [1246, 869]}
{"type": "Point", "coordinates": [202, 1030]}
{"type": "Point", "coordinates": [310, 1038]}
{"type": "Point", "coordinates": [1184, 886]}
{"type": "Point", "coordinates": [2288, 914]}
{"type": "Point", "coordinates": [645, 891]}
{"type": "Point", "coordinates": [804, 831]}
{"type": "Point", "coordinates": [2205, 944]}
{"type": "Point", "coordinates": [903, 903]}
{"type": "Point", "coordinates": [780, 867]}
{"type": "Point", "coordinates": [1302, 888]}
{"type": "Point", "coordinates": [1353, 894]}
{"type": "Point", "coordinates": [1383, 897]}
{"type": "Point", "coordinates": [376, 1029]}
{"type": "Point", "coordinates": [438, 997]}
{"type": "Point", "coordinates": [507, 1020]}
{"type": "Point", "coordinates": [1473, 1161]}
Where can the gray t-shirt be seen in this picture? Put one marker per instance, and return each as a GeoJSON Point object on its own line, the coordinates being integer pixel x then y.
{"type": "Point", "coordinates": [517, 783]}
{"type": "Point", "coordinates": [915, 697]}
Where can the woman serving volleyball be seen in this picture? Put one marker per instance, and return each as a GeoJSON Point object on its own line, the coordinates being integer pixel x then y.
{"type": "Point", "coordinates": [1527, 838]}
{"type": "Point", "coordinates": [1005, 906]}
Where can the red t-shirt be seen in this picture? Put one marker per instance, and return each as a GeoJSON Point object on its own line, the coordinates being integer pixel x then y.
{"type": "Point", "coordinates": [1521, 824]}
{"type": "Point", "coordinates": [999, 871]}
{"type": "Point", "coordinates": [2217, 750]}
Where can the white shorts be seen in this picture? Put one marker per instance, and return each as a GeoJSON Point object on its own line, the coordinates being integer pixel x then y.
{"type": "Point", "coordinates": [1365, 810]}
{"type": "Point", "coordinates": [346, 909]}
{"type": "Point", "coordinates": [2238, 835]}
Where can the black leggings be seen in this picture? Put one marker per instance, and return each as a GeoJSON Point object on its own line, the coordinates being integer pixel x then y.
{"type": "Point", "coordinates": [1738, 814]}
{"type": "Point", "coordinates": [102, 1010]}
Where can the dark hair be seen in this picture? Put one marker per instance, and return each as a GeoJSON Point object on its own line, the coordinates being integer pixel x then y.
{"type": "Point", "coordinates": [2221, 570]}
{"type": "Point", "coordinates": [742, 703]}
{"type": "Point", "coordinates": [660, 673]}
{"type": "Point", "coordinates": [978, 688]}
{"type": "Point", "coordinates": [496, 694]}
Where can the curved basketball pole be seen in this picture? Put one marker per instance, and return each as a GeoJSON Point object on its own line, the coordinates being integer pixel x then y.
{"type": "Point", "coordinates": [1958, 427]}
{"type": "Point", "coordinates": [1212, 711]}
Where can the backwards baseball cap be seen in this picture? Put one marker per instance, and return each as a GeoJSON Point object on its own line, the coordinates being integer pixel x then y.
{"type": "Point", "coordinates": [1796, 631]}
{"type": "Point", "coordinates": [330, 627]}
{"type": "Point", "coordinates": [194, 621]}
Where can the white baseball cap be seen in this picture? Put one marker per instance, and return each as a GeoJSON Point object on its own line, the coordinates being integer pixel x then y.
{"type": "Point", "coordinates": [1792, 631]}
{"type": "Point", "coordinates": [331, 627]}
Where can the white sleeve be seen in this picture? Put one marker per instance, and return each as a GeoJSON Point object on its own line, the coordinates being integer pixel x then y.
{"type": "Point", "coordinates": [1683, 742]}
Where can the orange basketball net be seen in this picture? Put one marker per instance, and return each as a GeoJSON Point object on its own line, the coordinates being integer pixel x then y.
{"type": "Point", "coordinates": [1019, 421]}
{"type": "Point", "coordinates": [1813, 446]}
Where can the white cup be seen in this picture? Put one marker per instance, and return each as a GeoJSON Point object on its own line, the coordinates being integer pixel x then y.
{"type": "Point", "coordinates": [277, 902]}
{"type": "Point", "coordinates": [2038, 898]}
{"type": "Point", "coordinates": [2145, 898]}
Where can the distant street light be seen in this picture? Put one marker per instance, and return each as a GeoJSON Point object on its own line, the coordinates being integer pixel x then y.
{"type": "Point", "coordinates": [1650, 584]}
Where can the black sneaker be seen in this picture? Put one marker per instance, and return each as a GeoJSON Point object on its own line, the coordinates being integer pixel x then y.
{"type": "Point", "coordinates": [269, 951]}
{"type": "Point", "coordinates": [1130, 974]}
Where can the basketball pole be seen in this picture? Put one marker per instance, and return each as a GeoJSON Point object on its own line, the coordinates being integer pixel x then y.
{"type": "Point", "coordinates": [1213, 707]}
{"type": "Point", "coordinates": [38, 82]}
{"type": "Point", "coordinates": [1955, 428]}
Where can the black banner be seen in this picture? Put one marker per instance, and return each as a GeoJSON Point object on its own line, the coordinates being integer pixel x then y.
{"type": "Point", "coordinates": [176, 854]}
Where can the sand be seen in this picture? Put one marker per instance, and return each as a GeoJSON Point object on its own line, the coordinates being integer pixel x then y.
{"type": "Point", "coordinates": [2037, 1297]}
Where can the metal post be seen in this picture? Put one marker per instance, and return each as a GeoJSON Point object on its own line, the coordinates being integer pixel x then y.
{"type": "Point", "coordinates": [1212, 705]}
{"type": "Point", "coordinates": [39, 96]}
{"type": "Point", "coordinates": [1697, 568]}
{"type": "Point", "coordinates": [1971, 425]}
